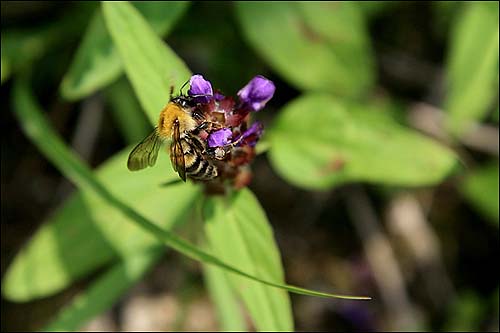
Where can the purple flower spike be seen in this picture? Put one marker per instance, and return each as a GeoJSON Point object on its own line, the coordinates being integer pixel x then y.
{"type": "Point", "coordinates": [257, 93]}
{"type": "Point", "coordinates": [200, 86]}
{"type": "Point", "coordinates": [219, 138]}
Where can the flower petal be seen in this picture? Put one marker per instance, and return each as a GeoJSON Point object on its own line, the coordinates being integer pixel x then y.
{"type": "Point", "coordinates": [257, 93]}
{"type": "Point", "coordinates": [219, 138]}
{"type": "Point", "coordinates": [251, 135]}
{"type": "Point", "coordinates": [200, 86]}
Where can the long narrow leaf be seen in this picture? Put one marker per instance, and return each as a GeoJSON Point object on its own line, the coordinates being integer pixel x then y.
{"type": "Point", "coordinates": [42, 135]}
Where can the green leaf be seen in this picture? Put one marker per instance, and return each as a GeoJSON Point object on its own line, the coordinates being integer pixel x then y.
{"type": "Point", "coordinates": [481, 188]}
{"type": "Point", "coordinates": [127, 112]}
{"type": "Point", "coordinates": [97, 64]}
{"type": "Point", "coordinates": [472, 66]}
{"type": "Point", "coordinates": [105, 291]}
{"type": "Point", "coordinates": [238, 232]}
{"type": "Point", "coordinates": [496, 115]}
{"type": "Point", "coordinates": [372, 9]}
{"type": "Point", "coordinates": [314, 45]}
{"type": "Point", "coordinates": [5, 71]}
{"type": "Point", "coordinates": [40, 133]}
{"type": "Point", "coordinates": [151, 66]}
{"type": "Point", "coordinates": [82, 235]}
{"type": "Point", "coordinates": [319, 141]}
{"type": "Point", "coordinates": [464, 315]}
{"type": "Point", "coordinates": [224, 298]}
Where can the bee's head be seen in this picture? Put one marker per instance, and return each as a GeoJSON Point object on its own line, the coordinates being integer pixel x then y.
{"type": "Point", "coordinates": [183, 101]}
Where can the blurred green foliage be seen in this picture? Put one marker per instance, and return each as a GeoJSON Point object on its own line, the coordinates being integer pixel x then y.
{"type": "Point", "coordinates": [334, 142]}
{"type": "Point", "coordinates": [472, 79]}
{"type": "Point", "coordinates": [321, 46]}
{"type": "Point", "coordinates": [481, 188]}
{"type": "Point", "coordinates": [96, 62]}
{"type": "Point", "coordinates": [334, 132]}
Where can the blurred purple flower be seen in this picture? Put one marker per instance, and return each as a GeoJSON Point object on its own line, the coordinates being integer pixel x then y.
{"type": "Point", "coordinates": [200, 86]}
{"type": "Point", "coordinates": [257, 93]}
{"type": "Point", "coordinates": [218, 96]}
{"type": "Point", "coordinates": [219, 138]}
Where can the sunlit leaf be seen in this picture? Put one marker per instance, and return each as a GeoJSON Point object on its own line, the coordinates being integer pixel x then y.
{"type": "Point", "coordinates": [104, 291]}
{"type": "Point", "coordinates": [238, 232]}
{"type": "Point", "coordinates": [151, 66]}
{"type": "Point", "coordinates": [481, 188]}
{"type": "Point", "coordinates": [97, 63]}
{"type": "Point", "coordinates": [319, 141]}
{"type": "Point", "coordinates": [472, 68]}
{"type": "Point", "coordinates": [314, 45]}
{"type": "Point", "coordinates": [224, 298]}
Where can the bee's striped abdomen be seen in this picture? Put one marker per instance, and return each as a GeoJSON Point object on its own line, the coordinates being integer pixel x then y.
{"type": "Point", "coordinates": [197, 167]}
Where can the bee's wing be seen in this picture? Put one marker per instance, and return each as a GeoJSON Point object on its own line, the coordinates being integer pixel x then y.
{"type": "Point", "coordinates": [145, 153]}
{"type": "Point", "coordinates": [177, 154]}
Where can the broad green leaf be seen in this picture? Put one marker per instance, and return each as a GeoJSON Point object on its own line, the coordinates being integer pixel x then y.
{"type": "Point", "coordinates": [97, 63]}
{"type": "Point", "coordinates": [481, 188]}
{"type": "Point", "coordinates": [224, 298]}
{"type": "Point", "coordinates": [472, 67]}
{"type": "Point", "coordinates": [238, 232]}
{"type": "Point", "coordinates": [314, 45]}
{"type": "Point", "coordinates": [151, 66]}
{"type": "Point", "coordinates": [82, 235]}
{"type": "Point", "coordinates": [105, 291]}
{"type": "Point", "coordinates": [40, 133]}
{"type": "Point", "coordinates": [127, 112]}
{"type": "Point", "coordinates": [319, 141]}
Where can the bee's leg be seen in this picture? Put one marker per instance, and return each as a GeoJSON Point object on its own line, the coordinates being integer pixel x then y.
{"type": "Point", "coordinates": [204, 125]}
{"type": "Point", "coordinates": [198, 115]}
{"type": "Point", "coordinates": [171, 182]}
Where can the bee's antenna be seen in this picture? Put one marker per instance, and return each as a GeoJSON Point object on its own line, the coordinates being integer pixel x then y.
{"type": "Point", "coordinates": [171, 91]}
{"type": "Point", "coordinates": [180, 91]}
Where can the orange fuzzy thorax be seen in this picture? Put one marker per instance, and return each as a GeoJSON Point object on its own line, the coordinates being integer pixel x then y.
{"type": "Point", "coordinates": [169, 114]}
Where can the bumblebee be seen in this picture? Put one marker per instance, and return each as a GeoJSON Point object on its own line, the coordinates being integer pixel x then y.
{"type": "Point", "coordinates": [188, 153]}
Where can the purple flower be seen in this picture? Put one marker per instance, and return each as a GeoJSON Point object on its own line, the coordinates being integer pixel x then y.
{"type": "Point", "coordinates": [200, 88]}
{"type": "Point", "coordinates": [257, 93]}
{"type": "Point", "coordinates": [251, 135]}
{"type": "Point", "coordinates": [218, 96]}
{"type": "Point", "coordinates": [219, 138]}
